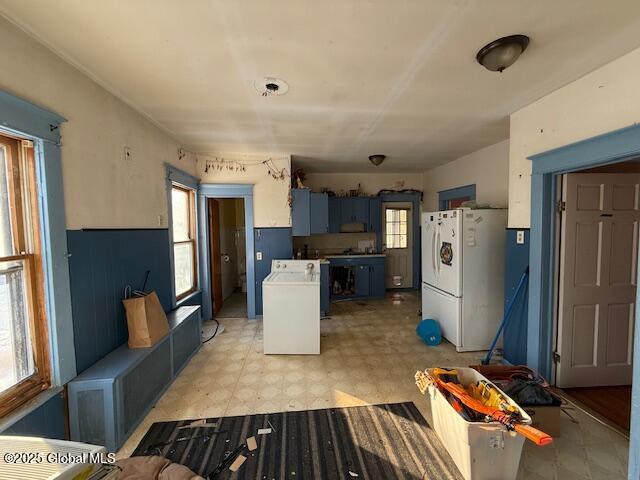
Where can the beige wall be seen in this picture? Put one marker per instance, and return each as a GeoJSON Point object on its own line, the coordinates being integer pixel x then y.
{"type": "Point", "coordinates": [101, 188]}
{"type": "Point", "coordinates": [270, 196]}
{"type": "Point", "coordinates": [604, 100]}
{"type": "Point", "coordinates": [371, 183]}
{"type": "Point", "coordinates": [488, 168]}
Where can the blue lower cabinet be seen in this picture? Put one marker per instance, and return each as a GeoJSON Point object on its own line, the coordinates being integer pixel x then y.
{"type": "Point", "coordinates": [376, 271]}
{"type": "Point", "coordinates": [270, 244]}
{"type": "Point", "coordinates": [325, 291]}
{"type": "Point", "coordinates": [363, 281]}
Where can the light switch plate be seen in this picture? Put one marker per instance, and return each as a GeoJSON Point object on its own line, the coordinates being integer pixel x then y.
{"type": "Point", "coordinates": [258, 255]}
{"type": "Point", "coordinates": [520, 237]}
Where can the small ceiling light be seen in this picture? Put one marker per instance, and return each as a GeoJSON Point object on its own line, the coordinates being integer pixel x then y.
{"type": "Point", "coordinates": [268, 86]}
{"type": "Point", "coordinates": [377, 159]}
{"type": "Point", "coordinates": [502, 53]}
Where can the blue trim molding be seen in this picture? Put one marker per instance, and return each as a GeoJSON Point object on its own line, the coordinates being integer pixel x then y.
{"type": "Point", "coordinates": [612, 147]}
{"type": "Point", "coordinates": [453, 193]}
{"type": "Point", "coordinates": [26, 120]}
{"type": "Point", "coordinates": [225, 191]}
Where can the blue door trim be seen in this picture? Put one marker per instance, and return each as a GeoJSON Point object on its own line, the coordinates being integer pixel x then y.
{"type": "Point", "coordinates": [26, 120]}
{"type": "Point", "coordinates": [612, 147]}
{"type": "Point", "coordinates": [452, 193]}
{"type": "Point", "coordinates": [226, 191]}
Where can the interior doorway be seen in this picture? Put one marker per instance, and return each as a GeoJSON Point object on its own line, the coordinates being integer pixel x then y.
{"type": "Point", "coordinates": [397, 239]}
{"type": "Point", "coordinates": [597, 254]}
{"type": "Point", "coordinates": [227, 257]}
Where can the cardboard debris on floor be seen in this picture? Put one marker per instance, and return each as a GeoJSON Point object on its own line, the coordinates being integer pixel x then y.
{"type": "Point", "coordinates": [237, 463]}
{"type": "Point", "coordinates": [252, 444]}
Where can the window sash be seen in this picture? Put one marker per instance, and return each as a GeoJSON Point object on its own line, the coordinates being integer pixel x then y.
{"type": "Point", "coordinates": [191, 219]}
{"type": "Point", "coordinates": [396, 227]}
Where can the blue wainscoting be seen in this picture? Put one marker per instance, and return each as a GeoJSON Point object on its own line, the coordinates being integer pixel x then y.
{"type": "Point", "coordinates": [515, 332]}
{"type": "Point", "coordinates": [273, 243]}
{"type": "Point", "coordinates": [102, 264]}
{"type": "Point", "coordinates": [45, 421]}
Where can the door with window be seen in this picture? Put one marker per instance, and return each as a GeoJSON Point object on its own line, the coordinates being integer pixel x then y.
{"type": "Point", "coordinates": [24, 352]}
{"type": "Point", "coordinates": [398, 241]}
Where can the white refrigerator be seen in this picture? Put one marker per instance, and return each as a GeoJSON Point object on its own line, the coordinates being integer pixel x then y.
{"type": "Point", "coordinates": [463, 274]}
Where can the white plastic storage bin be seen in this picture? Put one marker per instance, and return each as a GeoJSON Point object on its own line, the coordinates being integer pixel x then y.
{"type": "Point", "coordinates": [481, 451]}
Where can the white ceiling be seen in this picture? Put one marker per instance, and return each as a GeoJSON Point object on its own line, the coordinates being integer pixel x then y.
{"type": "Point", "coordinates": [376, 76]}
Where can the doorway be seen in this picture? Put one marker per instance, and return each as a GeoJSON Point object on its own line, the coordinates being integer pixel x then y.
{"type": "Point", "coordinates": [597, 254]}
{"type": "Point", "coordinates": [397, 227]}
{"type": "Point", "coordinates": [228, 257]}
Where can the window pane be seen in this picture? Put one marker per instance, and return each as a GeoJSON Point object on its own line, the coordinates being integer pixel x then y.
{"type": "Point", "coordinates": [6, 243]}
{"type": "Point", "coordinates": [183, 261]}
{"type": "Point", "coordinates": [180, 211]}
{"type": "Point", "coordinates": [403, 215]}
{"type": "Point", "coordinates": [16, 355]}
{"type": "Point", "coordinates": [389, 215]}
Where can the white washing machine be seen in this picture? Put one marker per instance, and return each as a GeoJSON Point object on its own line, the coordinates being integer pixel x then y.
{"type": "Point", "coordinates": [291, 307]}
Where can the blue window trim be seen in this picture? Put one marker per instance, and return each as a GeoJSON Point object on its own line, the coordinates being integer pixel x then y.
{"type": "Point", "coordinates": [175, 175]}
{"type": "Point", "coordinates": [613, 147]}
{"type": "Point", "coordinates": [22, 118]}
{"type": "Point", "coordinates": [452, 193]}
{"type": "Point", "coordinates": [226, 191]}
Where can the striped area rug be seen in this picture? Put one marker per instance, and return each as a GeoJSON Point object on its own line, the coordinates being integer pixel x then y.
{"type": "Point", "coordinates": [391, 441]}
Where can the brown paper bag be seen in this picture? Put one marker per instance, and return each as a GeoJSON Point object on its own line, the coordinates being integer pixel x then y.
{"type": "Point", "coordinates": [146, 320]}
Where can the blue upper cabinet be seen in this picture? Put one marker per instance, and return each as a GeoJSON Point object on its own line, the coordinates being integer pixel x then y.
{"type": "Point", "coordinates": [309, 213]}
{"type": "Point", "coordinates": [375, 214]}
{"type": "Point", "coordinates": [300, 212]}
{"type": "Point", "coordinates": [335, 214]}
{"type": "Point", "coordinates": [354, 210]}
{"type": "Point", "coordinates": [319, 212]}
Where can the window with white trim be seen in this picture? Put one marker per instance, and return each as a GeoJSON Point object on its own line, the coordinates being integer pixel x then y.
{"type": "Point", "coordinates": [396, 227]}
{"type": "Point", "coordinates": [184, 240]}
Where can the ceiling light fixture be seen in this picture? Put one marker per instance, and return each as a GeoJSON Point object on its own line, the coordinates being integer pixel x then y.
{"type": "Point", "coordinates": [502, 53]}
{"type": "Point", "coordinates": [377, 159]}
{"type": "Point", "coordinates": [268, 86]}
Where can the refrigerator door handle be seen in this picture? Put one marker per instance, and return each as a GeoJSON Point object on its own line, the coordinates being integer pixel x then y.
{"type": "Point", "coordinates": [433, 251]}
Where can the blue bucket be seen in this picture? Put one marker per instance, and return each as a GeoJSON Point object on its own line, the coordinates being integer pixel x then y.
{"type": "Point", "coordinates": [429, 331]}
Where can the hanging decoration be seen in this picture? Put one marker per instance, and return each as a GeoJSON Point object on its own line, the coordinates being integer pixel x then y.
{"type": "Point", "coordinates": [219, 163]}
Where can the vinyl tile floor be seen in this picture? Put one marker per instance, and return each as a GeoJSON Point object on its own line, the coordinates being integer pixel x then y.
{"type": "Point", "coordinates": [370, 353]}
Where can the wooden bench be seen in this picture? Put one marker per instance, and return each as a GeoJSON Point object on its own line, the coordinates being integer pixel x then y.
{"type": "Point", "coordinates": [109, 400]}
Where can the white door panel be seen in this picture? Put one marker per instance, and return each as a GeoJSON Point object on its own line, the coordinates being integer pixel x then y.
{"type": "Point", "coordinates": [446, 310]}
{"type": "Point", "coordinates": [597, 286]}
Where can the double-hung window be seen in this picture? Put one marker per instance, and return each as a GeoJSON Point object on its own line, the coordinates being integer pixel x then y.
{"type": "Point", "coordinates": [184, 240]}
{"type": "Point", "coordinates": [24, 352]}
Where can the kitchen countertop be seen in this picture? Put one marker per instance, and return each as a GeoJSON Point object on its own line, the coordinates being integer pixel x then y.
{"type": "Point", "coordinates": [357, 255]}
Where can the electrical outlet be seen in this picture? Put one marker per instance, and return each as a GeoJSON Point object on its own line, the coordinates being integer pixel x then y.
{"type": "Point", "coordinates": [258, 255]}
{"type": "Point", "coordinates": [520, 237]}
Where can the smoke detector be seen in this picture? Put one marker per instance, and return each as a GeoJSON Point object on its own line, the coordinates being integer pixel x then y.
{"type": "Point", "coordinates": [268, 86]}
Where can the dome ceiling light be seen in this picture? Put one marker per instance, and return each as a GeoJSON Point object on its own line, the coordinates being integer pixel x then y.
{"type": "Point", "coordinates": [502, 53]}
{"type": "Point", "coordinates": [377, 159]}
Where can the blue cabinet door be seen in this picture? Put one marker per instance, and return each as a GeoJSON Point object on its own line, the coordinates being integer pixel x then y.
{"type": "Point", "coordinates": [363, 282]}
{"type": "Point", "coordinates": [360, 210]}
{"type": "Point", "coordinates": [346, 210]}
{"type": "Point", "coordinates": [300, 219]}
{"type": "Point", "coordinates": [375, 214]}
{"type": "Point", "coordinates": [335, 214]}
{"type": "Point", "coordinates": [319, 213]}
{"type": "Point", "coordinates": [377, 279]}
{"type": "Point", "coordinates": [325, 292]}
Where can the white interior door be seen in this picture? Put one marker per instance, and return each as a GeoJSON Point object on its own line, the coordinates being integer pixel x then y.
{"type": "Point", "coordinates": [597, 284]}
{"type": "Point", "coordinates": [398, 240]}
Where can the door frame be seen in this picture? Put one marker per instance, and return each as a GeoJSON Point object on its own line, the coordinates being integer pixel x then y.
{"type": "Point", "coordinates": [613, 147]}
{"type": "Point", "coordinates": [245, 192]}
{"type": "Point", "coordinates": [410, 237]}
